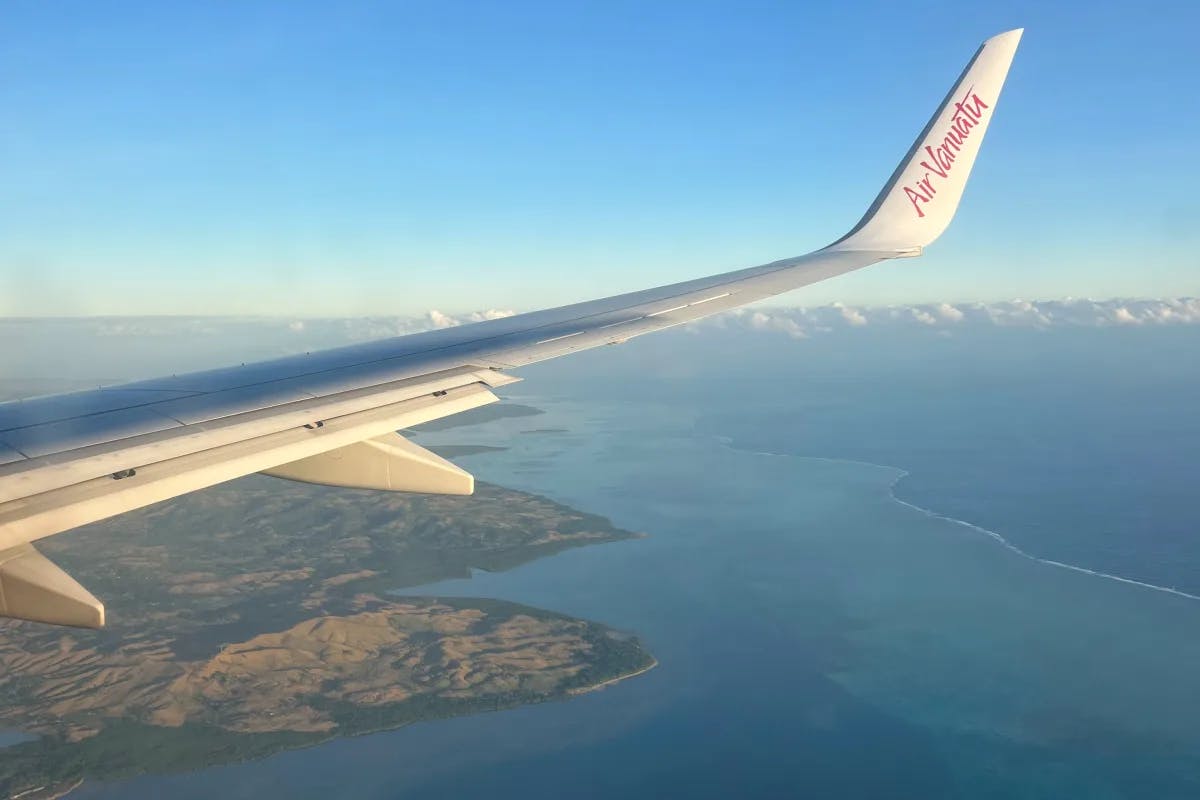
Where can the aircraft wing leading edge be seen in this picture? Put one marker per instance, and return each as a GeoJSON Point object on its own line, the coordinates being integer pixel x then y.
{"type": "Point", "coordinates": [331, 417]}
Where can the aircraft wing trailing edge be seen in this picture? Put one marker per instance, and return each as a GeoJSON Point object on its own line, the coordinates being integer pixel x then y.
{"type": "Point", "coordinates": [331, 417]}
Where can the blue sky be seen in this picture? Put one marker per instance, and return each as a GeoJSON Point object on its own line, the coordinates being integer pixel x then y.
{"type": "Point", "coordinates": [301, 159]}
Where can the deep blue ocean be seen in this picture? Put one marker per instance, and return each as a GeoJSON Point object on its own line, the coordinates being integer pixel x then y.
{"type": "Point", "coordinates": [818, 635]}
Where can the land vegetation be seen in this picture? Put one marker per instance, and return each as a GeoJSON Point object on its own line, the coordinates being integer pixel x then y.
{"type": "Point", "coordinates": [264, 615]}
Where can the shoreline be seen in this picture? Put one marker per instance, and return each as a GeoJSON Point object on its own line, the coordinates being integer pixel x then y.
{"type": "Point", "coordinates": [611, 681]}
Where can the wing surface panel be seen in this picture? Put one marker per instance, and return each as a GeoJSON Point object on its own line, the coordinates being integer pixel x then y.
{"type": "Point", "coordinates": [184, 400]}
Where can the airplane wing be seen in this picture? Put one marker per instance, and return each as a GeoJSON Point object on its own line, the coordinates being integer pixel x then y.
{"type": "Point", "coordinates": [331, 417]}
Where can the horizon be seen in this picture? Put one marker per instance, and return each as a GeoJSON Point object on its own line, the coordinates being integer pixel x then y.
{"type": "Point", "coordinates": [73, 353]}
{"type": "Point", "coordinates": [438, 318]}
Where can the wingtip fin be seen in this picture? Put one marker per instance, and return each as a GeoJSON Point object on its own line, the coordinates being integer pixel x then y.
{"type": "Point", "coordinates": [920, 199]}
{"type": "Point", "coordinates": [1014, 35]}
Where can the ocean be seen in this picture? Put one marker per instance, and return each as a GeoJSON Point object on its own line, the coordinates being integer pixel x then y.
{"type": "Point", "coordinates": [844, 578]}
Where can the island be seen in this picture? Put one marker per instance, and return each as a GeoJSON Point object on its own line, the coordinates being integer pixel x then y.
{"type": "Point", "coordinates": [263, 615]}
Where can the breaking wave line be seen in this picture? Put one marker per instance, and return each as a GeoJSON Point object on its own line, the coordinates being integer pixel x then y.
{"type": "Point", "coordinates": [728, 442]}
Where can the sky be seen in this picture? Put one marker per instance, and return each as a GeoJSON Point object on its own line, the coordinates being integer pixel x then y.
{"type": "Point", "coordinates": [314, 159]}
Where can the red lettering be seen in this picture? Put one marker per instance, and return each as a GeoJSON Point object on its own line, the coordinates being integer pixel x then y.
{"type": "Point", "coordinates": [937, 166]}
{"type": "Point", "coordinates": [913, 197]}
{"type": "Point", "coordinates": [968, 112]}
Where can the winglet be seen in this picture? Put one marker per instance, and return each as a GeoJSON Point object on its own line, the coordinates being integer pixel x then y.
{"type": "Point", "coordinates": [920, 199]}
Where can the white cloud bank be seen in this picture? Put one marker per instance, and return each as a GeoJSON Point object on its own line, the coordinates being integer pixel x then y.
{"type": "Point", "coordinates": [286, 334]}
{"type": "Point", "coordinates": [1069, 313]}
{"type": "Point", "coordinates": [801, 323]}
{"type": "Point", "coordinates": [440, 320]}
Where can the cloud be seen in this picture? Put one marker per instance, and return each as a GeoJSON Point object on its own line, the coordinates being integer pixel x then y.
{"type": "Point", "coordinates": [1038, 314]}
{"type": "Point", "coordinates": [782, 323]}
{"type": "Point", "coordinates": [852, 315]}
{"type": "Point", "coordinates": [277, 335]}
{"type": "Point", "coordinates": [1123, 316]}
{"type": "Point", "coordinates": [439, 320]}
{"type": "Point", "coordinates": [491, 313]}
{"type": "Point", "coordinates": [949, 313]}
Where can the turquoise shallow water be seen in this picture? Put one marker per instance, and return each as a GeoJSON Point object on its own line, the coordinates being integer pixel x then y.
{"type": "Point", "coordinates": [816, 638]}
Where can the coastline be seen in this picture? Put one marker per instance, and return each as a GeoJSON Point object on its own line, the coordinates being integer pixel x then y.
{"type": "Point", "coordinates": [208, 669]}
{"type": "Point", "coordinates": [611, 681]}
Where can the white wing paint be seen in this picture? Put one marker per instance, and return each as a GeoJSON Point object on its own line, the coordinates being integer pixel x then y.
{"type": "Point", "coordinates": [331, 417]}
